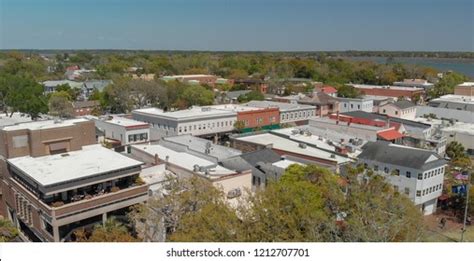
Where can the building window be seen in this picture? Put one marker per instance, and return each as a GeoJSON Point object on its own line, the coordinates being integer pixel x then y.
{"type": "Point", "coordinates": [407, 191]}
{"type": "Point", "coordinates": [418, 193]}
{"type": "Point", "coordinates": [395, 187]}
{"type": "Point", "coordinates": [396, 172]}
{"type": "Point", "coordinates": [376, 167]}
{"type": "Point", "coordinates": [420, 176]}
{"type": "Point", "coordinates": [384, 111]}
{"type": "Point", "coordinates": [396, 112]}
{"type": "Point", "coordinates": [358, 107]}
{"type": "Point", "coordinates": [386, 170]}
{"type": "Point", "coordinates": [352, 106]}
{"type": "Point", "coordinates": [425, 176]}
{"type": "Point", "coordinates": [408, 173]}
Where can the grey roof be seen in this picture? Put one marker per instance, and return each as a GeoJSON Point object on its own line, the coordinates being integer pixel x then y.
{"type": "Point", "coordinates": [404, 104]}
{"type": "Point", "coordinates": [200, 145]}
{"type": "Point", "coordinates": [265, 155]}
{"type": "Point", "coordinates": [251, 161]}
{"type": "Point", "coordinates": [236, 94]}
{"type": "Point", "coordinates": [97, 84]}
{"type": "Point", "coordinates": [375, 116]}
{"type": "Point", "coordinates": [399, 155]}
{"type": "Point", "coordinates": [282, 106]}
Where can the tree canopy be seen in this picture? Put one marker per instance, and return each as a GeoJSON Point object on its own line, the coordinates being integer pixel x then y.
{"type": "Point", "coordinates": [308, 203]}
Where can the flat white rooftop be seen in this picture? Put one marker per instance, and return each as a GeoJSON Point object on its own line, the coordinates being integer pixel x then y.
{"type": "Point", "coordinates": [191, 113]}
{"type": "Point", "coordinates": [88, 162]}
{"type": "Point", "coordinates": [289, 145]}
{"type": "Point", "coordinates": [461, 127]}
{"type": "Point", "coordinates": [467, 84]}
{"type": "Point", "coordinates": [455, 98]}
{"type": "Point", "coordinates": [184, 160]}
{"type": "Point", "coordinates": [282, 106]}
{"type": "Point", "coordinates": [6, 120]}
{"type": "Point", "coordinates": [390, 87]}
{"type": "Point", "coordinates": [284, 164]}
{"type": "Point", "coordinates": [235, 107]}
{"type": "Point", "coordinates": [43, 124]}
{"type": "Point", "coordinates": [121, 121]}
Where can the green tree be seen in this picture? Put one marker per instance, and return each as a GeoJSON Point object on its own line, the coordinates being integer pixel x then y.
{"type": "Point", "coordinates": [8, 232]}
{"type": "Point", "coordinates": [111, 231]}
{"type": "Point", "coordinates": [73, 92]}
{"type": "Point", "coordinates": [446, 84]}
{"type": "Point", "coordinates": [347, 91]}
{"type": "Point", "coordinates": [60, 105]}
{"type": "Point", "coordinates": [197, 95]}
{"type": "Point", "coordinates": [455, 150]}
{"type": "Point", "coordinates": [239, 125]}
{"type": "Point", "coordinates": [377, 213]}
{"type": "Point", "coordinates": [251, 96]}
{"type": "Point", "coordinates": [26, 95]}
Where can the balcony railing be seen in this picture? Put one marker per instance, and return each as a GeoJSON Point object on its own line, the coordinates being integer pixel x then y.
{"type": "Point", "coordinates": [82, 205]}
{"type": "Point", "coordinates": [104, 199]}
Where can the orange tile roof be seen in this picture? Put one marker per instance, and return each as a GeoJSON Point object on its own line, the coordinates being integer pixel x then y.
{"type": "Point", "coordinates": [390, 134]}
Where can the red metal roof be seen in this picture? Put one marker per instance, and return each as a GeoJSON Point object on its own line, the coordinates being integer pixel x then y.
{"type": "Point", "coordinates": [390, 134]}
{"type": "Point", "coordinates": [328, 89]}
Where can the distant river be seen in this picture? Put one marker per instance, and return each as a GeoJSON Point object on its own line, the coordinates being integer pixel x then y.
{"type": "Point", "coordinates": [464, 66]}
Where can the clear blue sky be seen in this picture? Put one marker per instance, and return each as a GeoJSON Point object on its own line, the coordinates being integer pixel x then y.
{"type": "Point", "coordinates": [267, 25]}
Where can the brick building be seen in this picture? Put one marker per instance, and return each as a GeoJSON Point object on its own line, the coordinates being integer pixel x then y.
{"type": "Point", "coordinates": [55, 179]}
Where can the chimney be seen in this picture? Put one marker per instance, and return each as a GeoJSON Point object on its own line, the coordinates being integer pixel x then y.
{"type": "Point", "coordinates": [157, 159]}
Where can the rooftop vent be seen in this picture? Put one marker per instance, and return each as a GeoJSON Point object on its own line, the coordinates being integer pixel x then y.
{"type": "Point", "coordinates": [302, 145]}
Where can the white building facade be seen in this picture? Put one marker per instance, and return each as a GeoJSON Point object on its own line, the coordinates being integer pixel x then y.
{"type": "Point", "coordinates": [401, 109]}
{"type": "Point", "coordinates": [125, 130]}
{"type": "Point", "coordinates": [419, 174]}
{"type": "Point", "coordinates": [196, 121]}
{"type": "Point", "coordinates": [355, 104]}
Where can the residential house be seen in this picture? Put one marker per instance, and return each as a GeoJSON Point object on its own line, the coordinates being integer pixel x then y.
{"type": "Point", "coordinates": [401, 109]}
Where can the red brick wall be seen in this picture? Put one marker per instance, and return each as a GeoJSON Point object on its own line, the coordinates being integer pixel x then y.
{"type": "Point", "coordinates": [390, 92]}
{"type": "Point", "coordinates": [251, 117]}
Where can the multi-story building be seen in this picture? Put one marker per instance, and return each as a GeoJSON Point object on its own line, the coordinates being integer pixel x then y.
{"type": "Point", "coordinates": [454, 102]}
{"type": "Point", "coordinates": [322, 154]}
{"type": "Point", "coordinates": [55, 179]}
{"type": "Point", "coordinates": [389, 91]}
{"type": "Point", "coordinates": [401, 109]}
{"type": "Point", "coordinates": [124, 130]}
{"type": "Point", "coordinates": [464, 89]}
{"type": "Point", "coordinates": [253, 84]}
{"type": "Point", "coordinates": [185, 164]}
{"type": "Point", "coordinates": [197, 121]}
{"type": "Point", "coordinates": [252, 118]}
{"type": "Point", "coordinates": [289, 112]}
{"type": "Point", "coordinates": [415, 172]}
{"type": "Point", "coordinates": [355, 104]}
{"type": "Point", "coordinates": [462, 133]}
{"type": "Point", "coordinates": [415, 134]}
{"type": "Point", "coordinates": [325, 104]}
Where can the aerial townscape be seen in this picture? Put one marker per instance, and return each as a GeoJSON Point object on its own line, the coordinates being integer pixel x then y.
{"type": "Point", "coordinates": [249, 129]}
{"type": "Point", "coordinates": [144, 146]}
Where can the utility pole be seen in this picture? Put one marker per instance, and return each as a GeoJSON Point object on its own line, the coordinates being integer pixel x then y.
{"type": "Point", "coordinates": [467, 205]}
